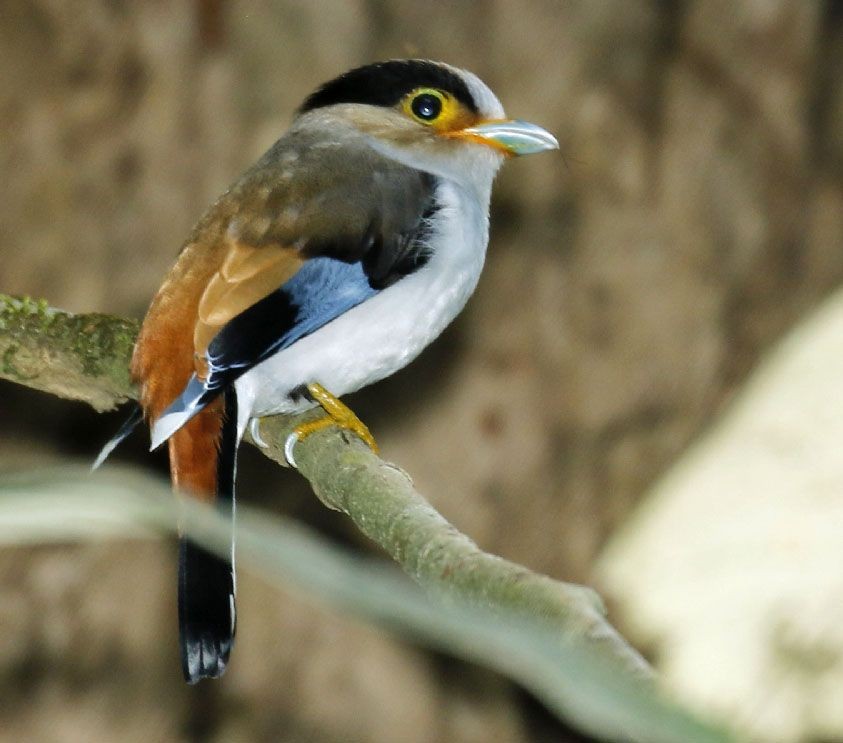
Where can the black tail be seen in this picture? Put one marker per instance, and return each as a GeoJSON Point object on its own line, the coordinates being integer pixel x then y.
{"type": "Point", "coordinates": [206, 581]}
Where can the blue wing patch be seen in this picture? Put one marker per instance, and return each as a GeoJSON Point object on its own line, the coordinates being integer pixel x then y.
{"type": "Point", "coordinates": [322, 290]}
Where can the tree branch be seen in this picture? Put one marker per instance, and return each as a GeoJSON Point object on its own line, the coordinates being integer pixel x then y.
{"type": "Point", "coordinates": [86, 357]}
{"type": "Point", "coordinates": [79, 357]}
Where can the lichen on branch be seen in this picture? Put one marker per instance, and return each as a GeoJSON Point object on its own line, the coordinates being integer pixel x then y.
{"type": "Point", "coordinates": [79, 357]}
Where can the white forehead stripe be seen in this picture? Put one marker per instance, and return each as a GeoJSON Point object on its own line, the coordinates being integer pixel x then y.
{"type": "Point", "coordinates": [488, 105]}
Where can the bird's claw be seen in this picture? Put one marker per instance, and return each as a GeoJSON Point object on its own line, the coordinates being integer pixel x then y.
{"type": "Point", "coordinates": [289, 444]}
{"type": "Point", "coordinates": [338, 414]}
{"type": "Point", "coordinates": [255, 432]}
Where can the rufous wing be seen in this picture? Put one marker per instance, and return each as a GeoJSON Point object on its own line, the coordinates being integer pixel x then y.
{"type": "Point", "coordinates": [247, 275]}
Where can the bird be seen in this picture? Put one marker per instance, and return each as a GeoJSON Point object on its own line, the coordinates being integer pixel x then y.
{"type": "Point", "coordinates": [327, 266]}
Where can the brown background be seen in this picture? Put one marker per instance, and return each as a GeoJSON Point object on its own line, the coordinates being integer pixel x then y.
{"type": "Point", "coordinates": [631, 284]}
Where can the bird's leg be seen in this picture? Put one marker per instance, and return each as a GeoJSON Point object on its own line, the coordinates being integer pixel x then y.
{"type": "Point", "coordinates": [338, 414]}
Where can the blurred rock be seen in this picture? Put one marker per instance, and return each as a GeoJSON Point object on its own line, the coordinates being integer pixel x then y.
{"type": "Point", "coordinates": [729, 570]}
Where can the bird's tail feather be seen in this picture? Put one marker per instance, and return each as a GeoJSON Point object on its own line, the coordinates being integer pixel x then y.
{"type": "Point", "coordinates": [203, 457]}
{"type": "Point", "coordinates": [184, 408]}
{"type": "Point", "coordinates": [135, 417]}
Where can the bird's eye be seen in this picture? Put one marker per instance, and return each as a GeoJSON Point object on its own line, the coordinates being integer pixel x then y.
{"type": "Point", "coordinates": [426, 106]}
{"type": "Point", "coordinates": [435, 108]}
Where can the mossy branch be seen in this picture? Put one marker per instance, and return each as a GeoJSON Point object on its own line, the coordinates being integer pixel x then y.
{"type": "Point", "coordinates": [86, 357]}
{"type": "Point", "coordinates": [79, 357]}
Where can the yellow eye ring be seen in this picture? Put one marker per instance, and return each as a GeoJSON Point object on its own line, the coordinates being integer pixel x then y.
{"type": "Point", "coordinates": [426, 105]}
{"type": "Point", "coordinates": [437, 109]}
{"type": "Point", "coordinates": [432, 107]}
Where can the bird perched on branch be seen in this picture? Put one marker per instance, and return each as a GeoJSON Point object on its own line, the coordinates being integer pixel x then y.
{"type": "Point", "coordinates": [327, 266]}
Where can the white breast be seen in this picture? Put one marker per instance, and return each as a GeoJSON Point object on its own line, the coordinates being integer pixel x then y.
{"type": "Point", "coordinates": [385, 333]}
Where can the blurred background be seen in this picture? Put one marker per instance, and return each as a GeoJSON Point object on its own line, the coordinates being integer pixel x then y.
{"type": "Point", "coordinates": [632, 286]}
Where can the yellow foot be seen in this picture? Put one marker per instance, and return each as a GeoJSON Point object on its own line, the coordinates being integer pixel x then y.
{"type": "Point", "coordinates": [338, 414]}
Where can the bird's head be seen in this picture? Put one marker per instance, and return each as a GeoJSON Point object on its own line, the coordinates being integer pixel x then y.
{"type": "Point", "coordinates": [430, 116]}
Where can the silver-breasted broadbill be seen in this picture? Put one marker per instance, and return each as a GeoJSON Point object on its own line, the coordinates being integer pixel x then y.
{"type": "Point", "coordinates": [327, 266]}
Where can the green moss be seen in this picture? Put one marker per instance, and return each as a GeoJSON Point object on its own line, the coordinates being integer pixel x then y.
{"type": "Point", "coordinates": [100, 344]}
{"type": "Point", "coordinates": [19, 309]}
{"type": "Point", "coordinates": [8, 365]}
